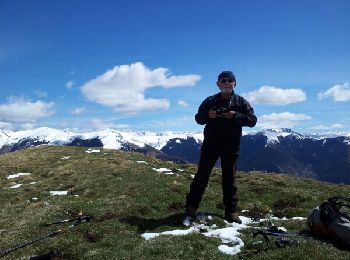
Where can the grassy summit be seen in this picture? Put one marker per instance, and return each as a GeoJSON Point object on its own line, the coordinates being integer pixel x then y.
{"type": "Point", "coordinates": [127, 197]}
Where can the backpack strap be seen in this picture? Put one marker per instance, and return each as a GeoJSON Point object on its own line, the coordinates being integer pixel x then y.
{"type": "Point", "coordinates": [338, 202]}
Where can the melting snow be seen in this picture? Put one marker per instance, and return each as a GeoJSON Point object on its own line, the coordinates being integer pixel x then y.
{"type": "Point", "coordinates": [228, 235]}
{"type": "Point", "coordinates": [231, 243]}
{"type": "Point", "coordinates": [93, 151]}
{"type": "Point", "coordinates": [16, 186]}
{"type": "Point", "coordinates": [142, 162]}
{"type": "Point", "coordinates": [164, 170]}
{"type": "Point", "coordinates": [18, 175]}
{"type": "Point", "coordinates": [58, 193]}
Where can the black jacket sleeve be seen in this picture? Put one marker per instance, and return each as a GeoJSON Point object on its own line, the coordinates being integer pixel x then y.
{"type": "Point", "coordinates": [246, 117]}
{"type": "Point", "coordinates": [202, 116]}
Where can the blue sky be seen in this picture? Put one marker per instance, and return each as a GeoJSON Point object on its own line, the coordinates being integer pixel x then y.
{"type": "Point", "coordinates": [147, 65]}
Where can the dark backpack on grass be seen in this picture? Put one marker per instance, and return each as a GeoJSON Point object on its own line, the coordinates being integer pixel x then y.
{"type": "Point", "coordinates": [329, 221]}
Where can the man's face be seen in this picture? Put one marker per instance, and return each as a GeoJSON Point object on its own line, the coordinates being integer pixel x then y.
{"type": "Point", "coordinates": [226, 85]}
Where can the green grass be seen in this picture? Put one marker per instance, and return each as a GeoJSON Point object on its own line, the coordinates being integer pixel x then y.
{"type": "Point", "coordinates": [127, 198]}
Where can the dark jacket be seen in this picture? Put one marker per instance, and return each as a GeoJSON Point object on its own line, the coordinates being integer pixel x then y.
{"type": "Point", "coordinates": [221, 133]}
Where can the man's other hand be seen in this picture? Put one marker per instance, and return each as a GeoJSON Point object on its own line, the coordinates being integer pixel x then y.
{"type": "Point", "coordinates": [229, 114]}
{"type": "Point", "coordinates": [212, 113]}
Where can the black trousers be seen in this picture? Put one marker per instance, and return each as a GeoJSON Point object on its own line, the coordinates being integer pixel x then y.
{"type": "Point", "coordinates": [208, 158]}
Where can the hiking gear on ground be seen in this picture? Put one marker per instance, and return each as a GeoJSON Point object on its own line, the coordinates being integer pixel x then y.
{"type": "Point", "coordinates": [232, 217]}
{"type": "Point", "coordinates": [329, 221]}
{"type": "Point", "coordinates": [81, 219]}
{"type": "Point", "coordinates": [190, 211]}
{"type": "Point", "coordinates": [198, 217]}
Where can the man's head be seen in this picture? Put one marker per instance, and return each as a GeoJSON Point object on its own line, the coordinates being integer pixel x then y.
{"type": "Point", "coordinates": [226, 82]}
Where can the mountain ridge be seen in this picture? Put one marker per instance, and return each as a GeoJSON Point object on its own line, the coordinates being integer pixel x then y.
{"type": "Point", "coordinates": [324, 157]}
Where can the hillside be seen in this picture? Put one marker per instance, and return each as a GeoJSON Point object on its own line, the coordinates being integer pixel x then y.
{"type": "Point", "coordinates": [322, 157]}
{"type": "Point", "coordinates": [129, 194]}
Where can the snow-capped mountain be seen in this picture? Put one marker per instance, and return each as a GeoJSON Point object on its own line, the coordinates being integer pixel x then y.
{"type": "Point", "coordinates": [321, 156]}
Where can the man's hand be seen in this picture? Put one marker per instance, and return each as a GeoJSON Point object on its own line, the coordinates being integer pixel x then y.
{"type": "Point", "coordinates": [212, 113]}
{"type": "Point", "coordinates": [229, 114]}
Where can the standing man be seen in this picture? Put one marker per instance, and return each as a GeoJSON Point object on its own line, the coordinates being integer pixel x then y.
{"type": "Point", "coordinates": [223, 115]}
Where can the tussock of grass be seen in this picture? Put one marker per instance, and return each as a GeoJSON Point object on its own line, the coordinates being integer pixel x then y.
{"type": "Point", "coordinates": [127, 198]}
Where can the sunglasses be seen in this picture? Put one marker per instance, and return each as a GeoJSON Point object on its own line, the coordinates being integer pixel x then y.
{"type": "Point", "coordinates": [223, 81]}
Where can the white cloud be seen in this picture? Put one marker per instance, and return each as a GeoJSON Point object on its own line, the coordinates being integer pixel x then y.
{"type": "Point", "coordinates": [20, 110]}
{"type": "Point", "coordinates": [323, 127]}
{"type": "Point", "coordinates": [281, 120]}
{"type": "Point", "coordinates": [6, 125]}
{"type": "Point", "coordinates": [275, 96]}
{"type": "Point", "coordinates": [337, 92]}
{"type": "Point", "coordinates": [122, 88]}
{"type": "Point", "coordinates": [182, 103]}
{"type": "Point", "coordinates": [98, 124]}
{"type": "Point", "coordinates": [70, 84]}
{"type": "Point", "coordinates": [78, 111]}
{"type": "Point", "coordinates": [28, 126]}
{"type": "Point", "coordinates": [40, 94]}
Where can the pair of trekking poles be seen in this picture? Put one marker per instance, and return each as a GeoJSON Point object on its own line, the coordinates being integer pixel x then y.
{"type": "Point", "coordinates": [77, 221]}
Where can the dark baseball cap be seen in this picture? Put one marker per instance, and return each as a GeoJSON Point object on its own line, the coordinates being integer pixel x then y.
{"type": "Point", "coordinates": [227, 74]}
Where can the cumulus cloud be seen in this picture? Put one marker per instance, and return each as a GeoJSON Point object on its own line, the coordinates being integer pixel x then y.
{"type": "Point", "coordinates": [337, 92]}
{"type": "Point", "coordinates": [275, 96]}
{"type": "Point", "coordinates": [28, 126]}
{"type": "Point", "coordinates": [182, 103]}
{"type": "Point", "coordinates": [70, 84]}
{"type": "Point", "coordinates": [122, 88]}
{"type": "Point", "coordinates": [40, 94]}
{"type": "Point", "coordinates": [6, 126]}
{"type": "Point", "coordinates": [78, 111]}
{"type": "Point", "coordinates": [98, 124]}
{"type": "Point", "coordinates": [323, 127]}
{"type": "Point", "coordinates": [20, 110]}
{"type": "Point", "coordinates": [281, 120]}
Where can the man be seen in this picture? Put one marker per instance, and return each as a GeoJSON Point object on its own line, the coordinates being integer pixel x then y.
{"type": "Point", "coordinates": [223, 115]}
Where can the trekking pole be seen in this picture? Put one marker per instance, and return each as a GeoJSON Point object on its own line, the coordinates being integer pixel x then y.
{"type": "Point", "coordinates": [79, 220]}
{"type": "Point", "coordinates": [265, 234]}
{"type": "Point", "coordinates": [8, 251]}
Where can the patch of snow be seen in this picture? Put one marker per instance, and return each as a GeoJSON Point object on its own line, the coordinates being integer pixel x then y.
{"type": "Point", "coordinates": [34, 182]}
{"type": "Point", "coordinates": [34, 198]}
{"type": "Point", "coordinates": [65, 157]}
{"type": "Point", "coordinates": [298, 218]}
{"type": "Point", "coordinates": [93, 151]}
{"type": "Point", "coordinates": [228, 235]}
{"type": "Point", "coordinates": [141, 162]}
{"type": "Point", "coordinates": [161, 170]}
{"type": "Point", "coordinates": [58, 193]}
{"type": "Point", "coordinates": [16, 186]}
{"type": "Point", "coordinates": [231, 243]}
{"type": "Point", "coordinates": [18, 175]}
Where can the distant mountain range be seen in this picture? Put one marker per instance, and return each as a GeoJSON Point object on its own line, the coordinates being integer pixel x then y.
{"type": "Point", "coordinates": [322, 157]}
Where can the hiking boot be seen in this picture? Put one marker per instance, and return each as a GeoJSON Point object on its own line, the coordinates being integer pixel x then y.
{"type": "Point", "coordinates": [190, 212]}
{"type": "Point", "coordinates": [189, 216]}
{"type": "Point", "coordinates": [232, 217]}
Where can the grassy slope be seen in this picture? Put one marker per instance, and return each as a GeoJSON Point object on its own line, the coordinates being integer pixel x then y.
{"type": "Point", "coordinates": [128, 198]}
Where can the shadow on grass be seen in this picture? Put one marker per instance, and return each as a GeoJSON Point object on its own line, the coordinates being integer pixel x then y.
{"type": "Point", "coordinates": [148, 224]}
{"type": "Point", "coordinates": [341, 245]}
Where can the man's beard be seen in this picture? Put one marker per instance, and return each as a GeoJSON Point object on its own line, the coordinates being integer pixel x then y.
{"type": "Point", "coordinates": [226, 90]}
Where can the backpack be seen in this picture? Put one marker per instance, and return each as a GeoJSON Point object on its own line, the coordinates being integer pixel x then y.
{"type": "Point", "coordinates": [329, 221]}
